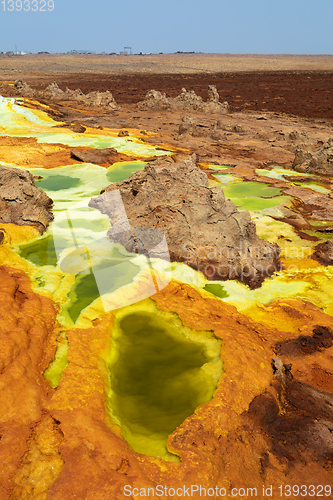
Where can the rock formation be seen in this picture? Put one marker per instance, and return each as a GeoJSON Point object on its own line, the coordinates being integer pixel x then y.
{"type": "Point", "coordinates": [187, 100]}
{"type": "Point", "coordinates": [202, 229]}
{"type": "Point", "coordinates": [154, 100]}
{"type": "Point", "coordinates": [21, 202]}
{"type": "Point", "coordinates": [319, 162]}
{"type": "Point", "coordinates": [268, 425]}
{"type": "Point", "coordinates": [212, 94]}
{"type": "Point", "coordinates": [323, 253]}
{"type": "Point", "coordinates": [93, 98]}
{"type": "Point", "coordinates": [53, 92]}
{"type": "Point", "coordinates": [24, 89]}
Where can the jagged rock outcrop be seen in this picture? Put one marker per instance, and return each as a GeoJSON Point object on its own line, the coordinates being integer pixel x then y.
{"type": "Point", "coordinates": [24, 89]}
{"type": "Point", "coordinates": [323, 253]}
{"type": "Point", "coordinates": [154, 100]}
{"type": "Point", "coordinates": [212, 94]}
{"type": "Point", "coordinates": [21, 202]}
{"type": "Point", "coordinates": [187, 100]}
{"type": "Point", "coordinates": [53, 92]}
{"type": "Point", "coordinates": [93, 98]}
{"type": "Point", "coordinates": [319, 162]}
{"type": "Point", "coordinates": [202, 228]}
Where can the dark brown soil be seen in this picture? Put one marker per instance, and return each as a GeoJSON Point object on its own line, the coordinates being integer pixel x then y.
{"type": "Point", "coordinates": [321, 339]}
{"type": "Point", "coordinates": [301, 93]}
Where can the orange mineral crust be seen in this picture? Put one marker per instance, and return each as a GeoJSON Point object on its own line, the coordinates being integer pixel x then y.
{"type": "Point", "coordinates": [98, 463]}
{"type": "Point", "coordinates": [262, 427]}
{"type": "Point", "coordinates": [28, 153]}
{"type": "Point", "coordinates": [27, 333]}
{"type": "Point", "coordinates": [248, 435]}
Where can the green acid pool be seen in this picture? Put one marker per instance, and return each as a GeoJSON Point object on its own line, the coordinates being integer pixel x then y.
{"type": "Point", "coordinates": [160, 373]}
{"type": "Point", "coordinates": [121, 171]}
{"type": "Point", "coordinates": [253, 196]}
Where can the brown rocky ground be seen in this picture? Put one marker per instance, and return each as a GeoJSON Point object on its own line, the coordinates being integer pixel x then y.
{"type": "Point", "coordinates": [245, 140]}
{"type": "Point", "coordinates": [302, 93]}
{"type": "Point", "coordinates": [300, 85]}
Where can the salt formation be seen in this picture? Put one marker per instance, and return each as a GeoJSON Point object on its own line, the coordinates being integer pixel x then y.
{"type": "Point", "coordinates": [187, 100]}
{"type": "Point", "coordinates": [202, 228]}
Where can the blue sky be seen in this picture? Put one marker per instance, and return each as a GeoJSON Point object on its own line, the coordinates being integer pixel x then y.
{"type": "Point", "coordinates": [221, 26]}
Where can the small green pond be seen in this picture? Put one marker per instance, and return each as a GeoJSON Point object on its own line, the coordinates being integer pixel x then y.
{"type": "Point", "coordinates": [157, 380]}
{"type": "Point", "coordinates": [41, 251]}
{"type": "Point", "coordinates": [123, 171]}
{"type": "Point", "coordinates": [88, 287]}
{"type": "Point", "coordinates": [253, 196]}
{"type": "Point", "coordinates": [58, 182]}
{"type": "Point", "coordinates": [216, 289]}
